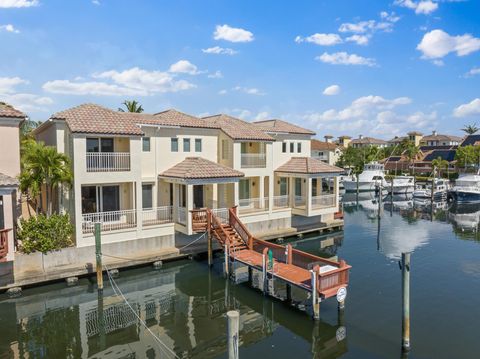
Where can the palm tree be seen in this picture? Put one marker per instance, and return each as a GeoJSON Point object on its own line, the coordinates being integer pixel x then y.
{"type": "Point", "coordinates": [412, 152]}
{"type": "Point", "coordinates": [43, 167]}
{"type": "Point", "coordinates": [470, 129]}
{"type": "Point", "coordinates": [131, 106]}
{"type": "Point", "coordinates": [438, 164]}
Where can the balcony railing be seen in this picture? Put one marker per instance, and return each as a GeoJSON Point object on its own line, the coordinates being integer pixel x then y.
{"type": "Point", "coordinates": [323, 201]}
{"type": "Point", "coordinates": [108, 161]}
{"type": "Point", "coordinates": [280, 201]}
{"type": "Point", "coordinates": [110, 221]}
{"type": "Point", "coordinates": [299, 201]}
{"type": "Point", "coordinates": [254, 160]}
{"type": "Point", "coordinates": [158, 215]}
{"type": "Point", "coordinates": [182, 215]}
{"type": "Point", "coordinates": [252, 205]}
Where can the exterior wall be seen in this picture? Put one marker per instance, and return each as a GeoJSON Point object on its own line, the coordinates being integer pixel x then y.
{"type": "Point", "coordinates": [281, 158]}
{"type": "Point", "coordinates": [9, 144]}
{"type": "Point", "coordinates": [9, 217]}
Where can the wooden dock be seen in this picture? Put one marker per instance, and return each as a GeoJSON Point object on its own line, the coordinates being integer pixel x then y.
{"type": "Point", "coordinates": [321, 277]}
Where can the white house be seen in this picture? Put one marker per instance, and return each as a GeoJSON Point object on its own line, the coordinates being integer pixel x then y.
{"type": "Point", "coordinates": [326, 151]}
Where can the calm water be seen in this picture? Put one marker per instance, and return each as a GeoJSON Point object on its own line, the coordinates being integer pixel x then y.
{"type": "Point", "coordinates": [184, 303]}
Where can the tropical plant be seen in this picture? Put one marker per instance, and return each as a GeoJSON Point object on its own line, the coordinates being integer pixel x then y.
{"type": "Point", "coordinates": [439, 164]}
{"type": "Point", "coordinates": [467, 156]}
{"type": "Point", "coordinates": [131, 106]}
{"type": "Point", "coordinates": [470, 129]}
{"type": "Point", "coordinates": [43, 167]}
{"type": "Point", "coordinates": [44, 234]}
{"type": "Point", "coordinates": [412, 152]}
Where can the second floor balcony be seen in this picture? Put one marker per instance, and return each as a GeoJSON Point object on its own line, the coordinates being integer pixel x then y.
{"type": "Point", "coordinates": [253, 160]}
{"type": "Point", "coordinates": [108, 161]}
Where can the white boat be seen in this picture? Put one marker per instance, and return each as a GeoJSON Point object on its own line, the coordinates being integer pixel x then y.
{"type": "Point", "coordinates": [424, 189]}
{"type": "Point", "coordinates": [401, 185]}
{"type": "Point", "coordinates": [466, 189]}
{"type": "Point", "coordinates": [370, 179]}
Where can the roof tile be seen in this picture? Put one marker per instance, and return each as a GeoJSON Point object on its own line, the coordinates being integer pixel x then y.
{"type": "Point", "coordinates": [307, 165]}
{"type": "Point", "coordinates": [238, 129]}
{"type": "Point", "coordinates": [282, 126]}
{"type": "Point", "coordinates": [200, 168]}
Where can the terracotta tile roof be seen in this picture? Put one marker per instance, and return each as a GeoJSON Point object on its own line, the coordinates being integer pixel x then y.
{"type": "Point", "coordinates": [7, 180]}
{"type": "Point", "coordinates": [282, 126]}
{"type": "Point", "coordinates": [322, 145]}
{"type": "Point", "coordinates": [7, 110]}
{"type": "Point", "coordinates": [200, 168]}
{"type": "Point", "coordinates": [397, 139]}
{"type": "Point", "coordinates": [307, 165]}
{"type": "Point", "coordinates": [91, 118]}
{"type": "Point", "coordinates": [176, 118]}
{"type": "Point", "coordinates": [440, 137]}
{"type": "Point", "coordinates": [369, 140]}
{"type": "Point", "coordinates": [238, 129]}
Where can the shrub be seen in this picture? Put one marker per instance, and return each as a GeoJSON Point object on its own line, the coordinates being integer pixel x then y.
{"type": "Point", "coordinates": [45, 234]}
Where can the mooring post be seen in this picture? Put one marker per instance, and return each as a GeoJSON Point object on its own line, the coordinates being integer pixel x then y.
{"type": "Point", "coordinates": [98, 252]}
{"type": "Point", "coordinates": [101, 319]}
{"type": "Point", "coordinates": [264, 270]}
{"type": "Point", "coordinates": [227, 260]}
{"type": "Point", "coordinates": [315, 301]}
{"type": "Point", "coordinates": [209, 238]}
{"type": "Point", "coordinates": [358, 190]}
{"type": "Point", "coordinates": [233, 318]}
{"type": "Point", "coordinates": [432, 192]}
{"type": "Point", "coordinates": [406, 301]}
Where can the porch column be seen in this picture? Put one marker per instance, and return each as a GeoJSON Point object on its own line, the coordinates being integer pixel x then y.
{"type": "Point", "coordinates": [291, 191]}
{"type": "Point", "coordinates": [308, 198]}
{"type": "Point", "coordinates": [221, 195]}
{"type": "Point", "coordinates": [215, 203]}
{"type": "Point", "coordinates": [236, 193]}
{"type": "Point", "coordinates": [261, 191]}
{"type": "Point", "coordinates": [137, 196]}
{"type": "Point", "coordinates": [175, 202]}
{"type": "Point", "coordinates": [271, 190]}
{"type": "Point", "coordinates": [78, 218]}
{"type": "Point", "coordinates": [336, 186]}
{"type": "Point", "coordinates": [189, 207]}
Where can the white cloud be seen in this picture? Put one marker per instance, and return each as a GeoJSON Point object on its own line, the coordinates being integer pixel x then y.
{"type": "Point", "coordinates": [222, 92]}
{"type": "Point", "coordinates": [332, 90]}
{"type": "Point", "coordinates": [468, 109]}
{"type": "Point", "coordinates": [359, 39]}
{"type": "Point", "coordinates": [232, 34]}
{"type": "Point", "coordinates": [321, 39]}
{"type": "Point", "coordinates": [217, 50]}
{"type": "Point", "coordinates": [474, 71]}
{"type": "Point", "coordinates": [421, 7]}
{"type": "Point", "coordinates": [438, 63]}
{"type": "Point", "coordinates": [249, 90]}
{"type": "Point", "coordinates": [343, 58]}
{"type": "Point", "coordinates": [263, 115]}
{"type": "Point", "coordinates": [437, 44]}
{"type": "Point", "coordinates": [8, 84]}
{"type": "Point", "coordinates": [9, 28]}
{"type": "Point", "coordinates": [18, 3]}
{"type": "Point", "coordinates": [184, 67]}
{"type": "Point", "coordinates": [96, 2]}
{"type": "Point", "coordinates": [369, 26]}
{"type": "Point", "coordinates": [216, 75]}
{"type": "Point", "coordinates": [23, 101]}
{"type": "Point", "coordinates": [95, 88]}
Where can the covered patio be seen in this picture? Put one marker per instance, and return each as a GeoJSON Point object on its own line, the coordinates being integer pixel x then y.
{"type": "Point", "coordinates": [197, 183]}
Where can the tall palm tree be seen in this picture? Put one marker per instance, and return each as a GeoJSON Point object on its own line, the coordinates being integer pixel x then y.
{"type": "Point", "coordinates": [412, 152]}
{"type": "Point", "coordinates": [43, 167]}
{"type": "Point", "coordinates": [131, 106]}
{"type": "Point", "coordinates": [470, 129]}
{"type": "Point", "coordinates": [439, 164]}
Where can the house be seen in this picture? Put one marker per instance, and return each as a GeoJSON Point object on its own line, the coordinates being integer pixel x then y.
{"type": "Point", "coordinates": [363, 141]}
{"type": "Point", "coordinates": [10, 121]}
{"type": "Point", "coordinates": [325, 151]}
{"type": "Point", "coordinates": [143, 175]}
{"type": "Point", "coordinates": [344, 141]}
{"type": "Point", "coordinates": [473, 140]}
{"type": "Point", "coordinates": [436, 139]}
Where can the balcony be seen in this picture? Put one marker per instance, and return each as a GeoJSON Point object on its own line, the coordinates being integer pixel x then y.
{"type": "Point", "coordinates": [323, 201]}
{"type": "Point", "coordinates": [251, 205]}
{"type": "Point", "coordinates": [253, 160]}
{"type": "Point", "coordinates": [280, 202]}
{"type": "Point", "coordinates": [108, 161]}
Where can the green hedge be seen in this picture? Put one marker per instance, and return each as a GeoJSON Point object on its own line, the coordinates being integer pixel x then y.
{"type": "Point", "coordinates": [45, 234]}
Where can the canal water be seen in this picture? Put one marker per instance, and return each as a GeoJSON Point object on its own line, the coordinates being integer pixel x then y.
{"type": "Point", "coordinates": [183, 304]}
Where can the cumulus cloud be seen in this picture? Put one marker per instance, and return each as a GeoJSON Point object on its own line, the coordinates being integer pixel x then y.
{"type": "Point", "coordinates": [437, 44]}
{"type": "Point", "coordinates": [332, 90]}
{"type": "Point", "coordinates": [249, 90]}
{"type": "Point", "coordinates": [184, 67]}
{"type": "Point", "coordinates": [96, 88]}
{"type": "Point", "coordinates": [321, 39]}
{"type": "Point", "coordinates": [232, 34]}
{"type": "Point", "coordinates": [468, 109]}
{"type": "Point", "coordinates": [344, 58]}
{"type": "Point", "coordinates": [18, 3]}
{"type": "Point", "coordinates": [421, 7]}
{"type": "Point", "coordinates": [9, 28]}
{"type": "Point", "coordinates": [217, 50]}
{"type": "Point", "coordinates": [358, 39]}
{"type": "Point", "coordinates": [263, 115]}
{"type": "Point", "coordinates": [23, 101]}
{"type": "Point", "coordinates": [222, 92]}
{"type": "Point", "coordinates": [8, 84]}
{"type": "Point", "coordinates": [474, 71]}
{"type": "Point", "coordinates": [370, 26]}
{"type": "Point", "coordinates": [216, 75]}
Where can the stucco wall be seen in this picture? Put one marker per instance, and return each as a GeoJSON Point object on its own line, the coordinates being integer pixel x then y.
{"type": "Point", "coordinates": [9, 147]}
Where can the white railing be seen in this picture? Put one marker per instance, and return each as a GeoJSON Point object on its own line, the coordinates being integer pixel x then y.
{"type": "Point", "coordinates": [222, 214]}
{"type": "Point", "coordinates": [252, 205]}
{"type": "Point", "coordinates": [280, 201]}
{"type": "Point", "coordinates": [326, 200]}
{"type": "Point", "coordinates": [182, 215]}
{"type": "Point", "coordinates": [110, 221]}
{"type": "Point", "coordinates": [253, 160]}
{"type": "Point", "coordinates": [299, 201]}
{"type": "Point", "coordinates": [108, 161]}
{"type": "Point", "coordinates": [158, 215]}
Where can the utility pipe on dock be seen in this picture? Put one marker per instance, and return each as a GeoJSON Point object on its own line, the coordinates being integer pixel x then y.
{"type": "Point", "coordinates": [233, 318]}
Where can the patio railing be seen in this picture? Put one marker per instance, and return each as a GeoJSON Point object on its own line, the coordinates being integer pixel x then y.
{"type": "Point", "coordinates": [182, 215]}
{"type": "Point", "coordinates": [280, 201]}
{"type": "Point", "coordinates": [108, 161]}
{"type": "Point", "coordinates": [326, 200]}
{"type": "Point", "coordinates": [158, 215]}
{"type": "Point", "coordinates": [253, 160]}
{"type": "Point", "coordinates": [299, 201]}
{"type": "Point", "coordinates": [110, 221]}
{"type": "Point", "coordinates": [252, 205]}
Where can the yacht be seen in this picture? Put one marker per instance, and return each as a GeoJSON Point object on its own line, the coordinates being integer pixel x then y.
{"type": "Point", "coordinates": [424, 189]}
{"type": "Point", "coordinates": [370, 179]}
{"type": "Point", "coordinates": [401, 185]}
{"type": "Point", "coordinates": [466, 189]}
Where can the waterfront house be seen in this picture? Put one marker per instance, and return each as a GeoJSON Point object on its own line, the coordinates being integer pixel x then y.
{"type": "Point", "coordinates": [364, 141]}
{"type": "Point", "coordinates": [10, 121]}
{"type": "Point", "coordinates": [436, 139]}
{"type": "Point", "coordinates": [413, 136]}
{"type": "Point", "coordinates": [326, 151]}
{"type": "Point", "coordinates": [143, 175]}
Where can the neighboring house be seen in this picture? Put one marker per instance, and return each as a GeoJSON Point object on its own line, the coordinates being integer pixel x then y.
{"type": "Point", "coordinates": [473, 140]}
{"type": "Point", "coordinates": [363, 141]}
{"type": "Point", "coordinates": [10, 121]}
{"type": "Point", "coordinates": [436, 139]}
{"type": "Point", "coordinates": [413, 136]}
{"type": "Point", "coordinates": [344, 141]}
{"type": "Point", "coordinates": [142, 175]}
{"type": "Point", "coordinates": [423, 160]}
{"type": "Point", "coordinates": [325, 151]}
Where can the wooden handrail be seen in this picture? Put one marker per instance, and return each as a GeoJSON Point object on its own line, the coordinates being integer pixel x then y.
{"type": "Point", "coordinates": [219, 224]}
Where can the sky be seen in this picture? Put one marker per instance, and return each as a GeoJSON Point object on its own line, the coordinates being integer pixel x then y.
{"type": "Point", "coordinates": [339, 67]}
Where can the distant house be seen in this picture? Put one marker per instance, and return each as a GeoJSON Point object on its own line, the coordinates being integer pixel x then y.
{"type": "Point", "coordinates": [473, 140]}
{"type": "Point", "coordinates": [362, 141]}
{"type": "Point", "coordinates": [325, 151]}
{"type": "Point", "coordinates": [413, 136]}
{"type": "Point", "coordinates": [344, 141]}
{"type": "Point", "coordinates": [436, 139]}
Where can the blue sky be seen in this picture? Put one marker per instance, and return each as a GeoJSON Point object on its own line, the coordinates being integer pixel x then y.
{"type": "Point", "coordinates": [377, 68]}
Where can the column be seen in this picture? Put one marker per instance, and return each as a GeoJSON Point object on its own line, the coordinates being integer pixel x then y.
{"type": "Point", "coordinates": [291, 191]}
{"type": "Point", "coordinates": [137, 196]}
{"type": "Point", "coordinates": [308, 198]}
{"type": "Point", "coordinates": [189, 208]}
{"type": "Point", "coordinates": [271, 191]}
{"type": "Point", "coordinates": [261, 191]}
{"type": "Point", "coordinates": [175, 202]}
{"type": "Point", "coordinates": [236, 193]}
{"type": "Point", "coordinates": [215, 203]}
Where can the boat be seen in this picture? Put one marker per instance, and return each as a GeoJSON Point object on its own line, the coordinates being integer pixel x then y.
{"type": "Point", "coordinates": [372, 177]}
{"type": "Point", "coordinates": [424, 189]}
{"type": "Point", "coordinates": [466, 189]}
{"type": "Point", "coordinates": [401, 185]}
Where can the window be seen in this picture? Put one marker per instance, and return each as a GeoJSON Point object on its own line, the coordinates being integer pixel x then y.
{"type": "Point", "coordinates": [224, 149]}
{"type": "Point", "coordinates": [283, 186]}
{"type": "Point", "coordinates": [198, 145]}
{"type": "Point", "coordinates": [174, 144]}
{"type": "Point", "coordinates": [186, 145]}
{"type": "Point", "coordinates": [299, 147]}
{"type": "Point", "coordinates": [99, 144]}
{"type": "Point", "coordinates": [147, 196]}
{"type": "Point", "coordinates": [146, 144]}
{"type": "Point", "coordinates": [298, 186]}
{"type": "Point", "coordinates": [244, 189]}
{"type": "Point", "coordinates": [93, 145]}
{"type": "Point", "coordinates": [292, 147]}
{"type": "Point", "coordinates": [314, 187]}
{"type": "Point", "coordinates": [284, 147]}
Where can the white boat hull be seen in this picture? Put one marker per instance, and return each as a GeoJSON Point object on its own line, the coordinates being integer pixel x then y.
{"type": "Point", "coordinates": [351, 186]}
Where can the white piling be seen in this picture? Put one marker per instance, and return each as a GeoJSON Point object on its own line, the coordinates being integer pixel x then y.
{"type": "Point", "coordinates": [233, 318]}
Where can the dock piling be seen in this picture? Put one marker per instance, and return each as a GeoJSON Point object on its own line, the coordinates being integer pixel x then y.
{"type": "Point", "coordinates": [227, 260]}
{"type": "Point", "coordinates": [315, 301]}
{"type": "Point", "coordinates": [233, 318]}
{"type": "Point", "coordinates": [98, 253]}
{"type": "Point", "coordinates": [406, 301]}
{"type": "Point", "coordinates": [209, 239]}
